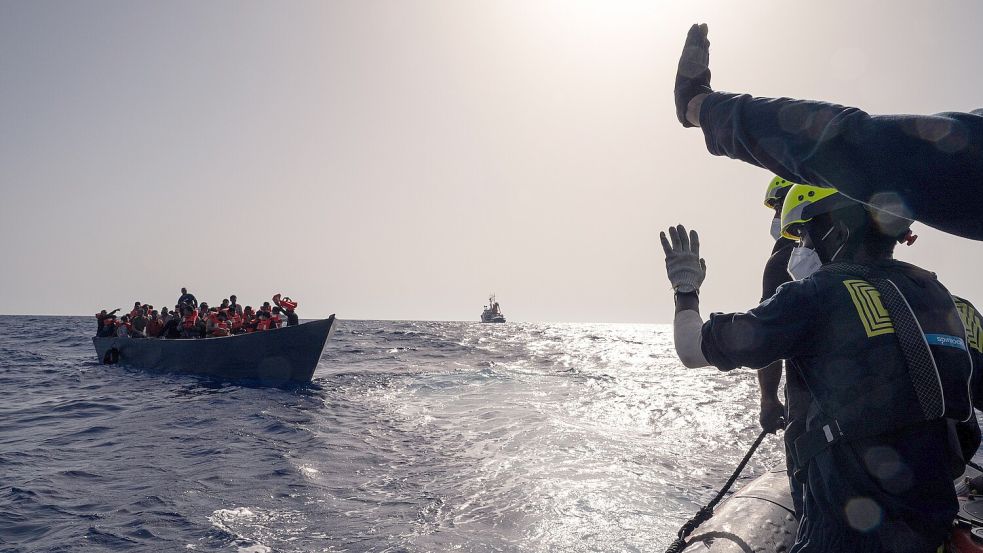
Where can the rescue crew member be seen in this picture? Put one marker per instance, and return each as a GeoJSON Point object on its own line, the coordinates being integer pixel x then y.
{"type": "Point", "coordinates": [876, 456]}
{"type": "Point", "coordinates": [773, 415]}
{"type": "Point", "coordinates": [924, 167]}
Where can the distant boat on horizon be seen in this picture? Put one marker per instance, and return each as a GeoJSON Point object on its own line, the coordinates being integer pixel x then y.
{"type": "Point", "coordinates": [492, 312]}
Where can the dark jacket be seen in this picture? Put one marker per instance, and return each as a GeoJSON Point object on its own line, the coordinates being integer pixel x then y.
{"type": "Point", "coordinates": [931, 164]}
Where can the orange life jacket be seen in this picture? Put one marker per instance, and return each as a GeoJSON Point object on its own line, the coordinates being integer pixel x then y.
{"type": "Point", "coordinates": [263, 324]}
{"type": "Point", "coordinates": [191, 319]}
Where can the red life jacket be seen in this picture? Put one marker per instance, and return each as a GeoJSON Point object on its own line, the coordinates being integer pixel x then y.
{"type": "Point", "coordinates": [276, 321]}
{"type": "Point", "coordinates": [263, 324]}
{"type": "Point", "coordinates": [223, 324]}
{"type": "Point", "coordinates": [190, 320]}
{"type": "Point", "coordinates": [285, 303]}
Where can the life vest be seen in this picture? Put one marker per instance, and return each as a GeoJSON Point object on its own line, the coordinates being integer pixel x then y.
{"type": "Point", "coordinates": [276, 321]}
{"type": "Point", "coordinates": [285, 303]}
{"type": "Point", "coordinates": [236, 321]}
{"type": "Point", "coordinates": [190, 320]}
{"type": "Point", "coordinates": [263, 324]}
{"type": "Point", "coordinates": [854, 403]}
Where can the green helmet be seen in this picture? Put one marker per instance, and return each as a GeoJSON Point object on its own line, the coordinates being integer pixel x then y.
{"type": "Point", "coordinates": [776, 191]}
{"type": "Point", "coordinates": [804, 201]}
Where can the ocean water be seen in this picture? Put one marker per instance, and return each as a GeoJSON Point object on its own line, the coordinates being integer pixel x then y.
{"type": "Point", "coordinates": [414, 436]}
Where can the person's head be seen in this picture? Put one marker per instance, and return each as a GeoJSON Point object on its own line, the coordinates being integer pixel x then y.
{"type": "Point", "coordinates": [248, 310]}
{"type": "Point", "coordinates": [222, 316]}
{"type": "Point", "coordinates": [103, 312]}
{"type": "Point", "coordinates": [233, 298]}
{"type": "Point", "coordinates": [774, 198]}
{"type": "Point", "coordinates": [136, 304]}
{"type": "Point", "coordinates": [838, 228]}
{"type": "Point", "coordinates": [154, 314]}
{"type": "Point", "coordinates": [225, 304]}
{"type": "Point", "coordinates": [142, 312]}
{"type": "Point", "coordinates": [124, 318]}
{"type": "Point", "coordinates": [163, 311]}
{"type": "Point", "coordinates": [184, 290]}
{"type": "Point", "coordinates": [277, 310]}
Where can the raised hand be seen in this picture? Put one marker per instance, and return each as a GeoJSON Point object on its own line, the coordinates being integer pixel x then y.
{"type": "Point", "coordinates": [693, 74]}
{"type": "Point", "coordinates": [684, 266]}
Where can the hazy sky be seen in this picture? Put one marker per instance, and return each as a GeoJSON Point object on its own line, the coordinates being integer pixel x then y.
{"type": "Point", "coordinates": [400, 160]}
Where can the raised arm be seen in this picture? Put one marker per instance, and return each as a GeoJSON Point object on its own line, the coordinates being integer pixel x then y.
{"type": "Point", "coordinates": [925, 167]}
{"type": "Point", "coordinates": [686, 272]}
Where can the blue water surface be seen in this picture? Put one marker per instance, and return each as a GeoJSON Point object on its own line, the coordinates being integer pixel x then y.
{"type": "Point", "coordinates": [414, 436]}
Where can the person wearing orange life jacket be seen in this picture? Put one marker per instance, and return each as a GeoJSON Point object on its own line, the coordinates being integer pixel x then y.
{"type": "Point", "coordinates": [220, 326]}
{"type": "Point", "coordinates": [275, 320]}
{"type": "Point", "coordinates": [263, 321]}
{"type": "Point", "coordinates": [101, 318]}
{"type": "Point", "coordinates": [136, 309]}
{"type": "Point", "coordinates": [123, 327]}
{"type": "Point", "coordinates": [211, 322]}
{"type": "Point", "coordinates": [235, 321]}
{"type": "Point", "coordinates": [288, 307]}
{"type": "Point", "coordinates": [189, 323]}
{"type": "Point", "coordinates": [248, 319]}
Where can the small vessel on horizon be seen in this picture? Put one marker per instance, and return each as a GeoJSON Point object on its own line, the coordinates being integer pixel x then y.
{"type": "Point", "coordinates": [492, 312]}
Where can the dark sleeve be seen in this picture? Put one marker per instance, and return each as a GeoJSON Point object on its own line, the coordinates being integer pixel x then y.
{"type": "Point", "coordinates": [776, 269]}
{"type": "Point", "coordinates": [777, 329]}
{"type": "Point", "coordinates": [933, 162]}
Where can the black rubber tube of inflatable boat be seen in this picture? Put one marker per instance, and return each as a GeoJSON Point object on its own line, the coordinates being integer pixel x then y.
{"type": "Point", "coordinates": [705, 513]}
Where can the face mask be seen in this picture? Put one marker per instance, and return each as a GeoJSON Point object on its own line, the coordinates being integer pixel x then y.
{"type": "Point", "coordinates": [803, 262]}
{"type": "Point", "coordinates": [776, 228]}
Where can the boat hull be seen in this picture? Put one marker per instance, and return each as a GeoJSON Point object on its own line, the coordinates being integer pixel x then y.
{"type": "Point", "coordinates": [759, 517]}
{"type": "Point", "coordinates": [286, 355]}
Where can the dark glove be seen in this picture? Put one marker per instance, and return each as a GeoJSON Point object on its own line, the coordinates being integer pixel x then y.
{"type": "Point", "coordinates": [693, 74]}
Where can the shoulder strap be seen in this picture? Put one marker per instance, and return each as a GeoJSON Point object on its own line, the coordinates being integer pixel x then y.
{"type": "Point", "coordinates": [918, 357]}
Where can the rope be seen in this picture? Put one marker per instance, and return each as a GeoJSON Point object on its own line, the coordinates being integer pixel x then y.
{"type": "Point", "coordinates": [706, 512]}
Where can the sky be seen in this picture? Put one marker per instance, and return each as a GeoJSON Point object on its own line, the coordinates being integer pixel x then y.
{"type": "Point", "coordinates": [402, 159]}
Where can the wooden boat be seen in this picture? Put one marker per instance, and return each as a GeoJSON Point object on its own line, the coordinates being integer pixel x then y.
{"type": "Point", "coordinates": [281, 356]}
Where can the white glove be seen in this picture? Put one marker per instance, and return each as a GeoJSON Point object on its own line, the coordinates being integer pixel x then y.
{"type": "Point", "coordinates": [683, 264]}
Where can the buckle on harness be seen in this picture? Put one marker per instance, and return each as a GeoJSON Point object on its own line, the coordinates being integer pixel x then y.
{"type": "Point", "coordinates": [815, 441]}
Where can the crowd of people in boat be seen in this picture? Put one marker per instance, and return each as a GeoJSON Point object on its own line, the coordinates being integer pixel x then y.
{"type": "Point", "coordinates": [190, 319]}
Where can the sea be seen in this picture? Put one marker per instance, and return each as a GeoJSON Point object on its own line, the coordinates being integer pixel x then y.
{"type": "Point", "coordinates": [414, 436]}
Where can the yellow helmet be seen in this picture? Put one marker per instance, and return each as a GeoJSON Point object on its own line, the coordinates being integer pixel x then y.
{"type": "Point", "coordinates": [776, 191]}
{"type": "Point", "coordinates": [803, 202]}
